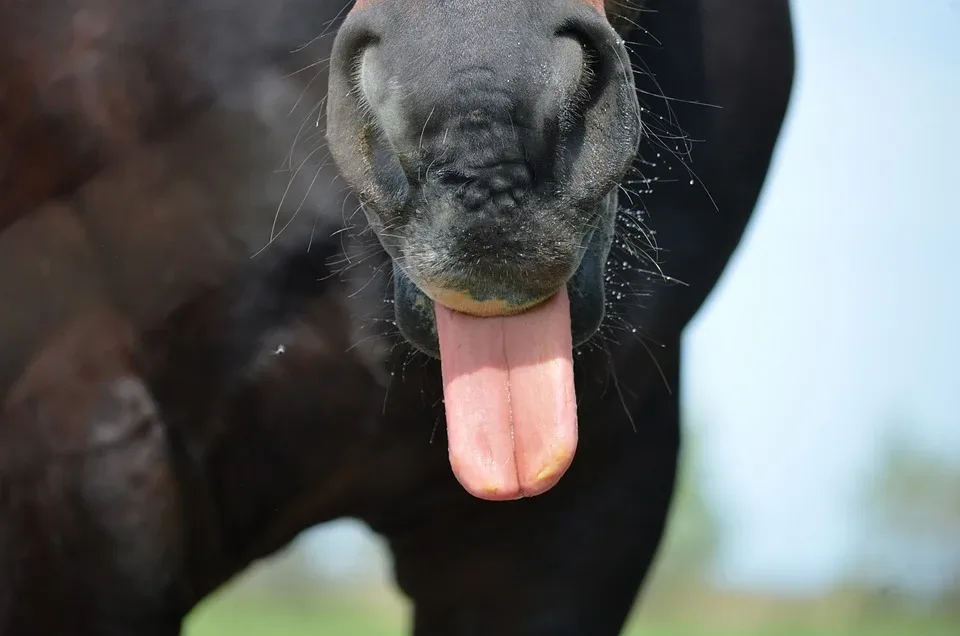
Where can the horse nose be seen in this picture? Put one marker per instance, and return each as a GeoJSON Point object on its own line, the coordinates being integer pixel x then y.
{"type": "Point", "coordinates": [482, 105]}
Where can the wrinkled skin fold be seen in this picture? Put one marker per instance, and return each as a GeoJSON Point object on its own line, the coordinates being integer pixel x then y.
{"type": "Point", "coordinates": [180, 395]}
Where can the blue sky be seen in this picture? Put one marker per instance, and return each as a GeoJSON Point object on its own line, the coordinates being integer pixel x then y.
{"type": "Point", "coordinates": [843, 302]}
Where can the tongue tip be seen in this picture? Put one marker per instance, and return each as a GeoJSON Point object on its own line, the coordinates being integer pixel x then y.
{"type": "Point", "coordinates": [494, 493]}
{"type": "Point", "coordinates": [488, 489]}
{"type": "Point", "coordinates": [550, 472]}
{"type": "Point", "coordinates": [510, 489]}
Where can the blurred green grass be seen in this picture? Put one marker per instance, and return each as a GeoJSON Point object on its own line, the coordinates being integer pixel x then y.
{"type": "Point", "coordinates": [230, 617]}
{"type": "Point", "coordinates": [263, 619]}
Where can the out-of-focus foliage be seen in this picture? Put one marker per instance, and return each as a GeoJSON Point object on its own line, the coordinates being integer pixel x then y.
{"type": "Point", "coordinates": [911, 513]}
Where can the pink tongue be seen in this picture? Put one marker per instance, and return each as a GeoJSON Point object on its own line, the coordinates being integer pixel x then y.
{"type": "Point", "coordinates": [510, 403]}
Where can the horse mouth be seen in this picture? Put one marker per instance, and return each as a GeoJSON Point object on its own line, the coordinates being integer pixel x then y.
{"type": "Point", "coordinates": [507, 367]}
{"type": "Point", "coordinates": [416, 302]}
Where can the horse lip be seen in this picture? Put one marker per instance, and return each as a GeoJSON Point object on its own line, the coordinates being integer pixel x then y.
{"type": "Point", "coordinates": [414, 310]}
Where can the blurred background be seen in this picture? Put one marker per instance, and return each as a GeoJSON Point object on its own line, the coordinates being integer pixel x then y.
{"type": "Point", "coordinates": [821, 475]}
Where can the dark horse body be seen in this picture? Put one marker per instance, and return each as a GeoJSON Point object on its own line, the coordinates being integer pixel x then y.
{"type": "Point", "coordinates": [173, 409]}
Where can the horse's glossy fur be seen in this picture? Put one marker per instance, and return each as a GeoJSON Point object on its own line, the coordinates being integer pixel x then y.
{"type": "Point", "coordinates": [173, 409]}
